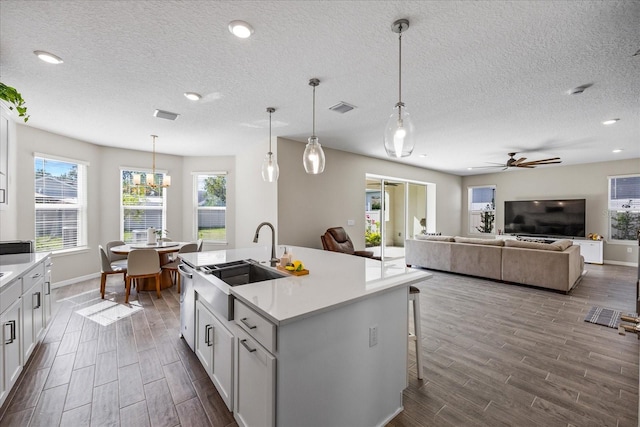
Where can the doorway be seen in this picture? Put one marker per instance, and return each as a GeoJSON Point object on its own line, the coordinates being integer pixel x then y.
{"type": "Point", "coordinates": [395, 209]}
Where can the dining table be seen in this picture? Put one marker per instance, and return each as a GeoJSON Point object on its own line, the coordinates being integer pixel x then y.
{"type": "Point", "coordinates": [164, 249]}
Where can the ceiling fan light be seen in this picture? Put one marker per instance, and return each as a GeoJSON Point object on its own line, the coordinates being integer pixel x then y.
{"type": "Point", "coordinates": [192, 96]}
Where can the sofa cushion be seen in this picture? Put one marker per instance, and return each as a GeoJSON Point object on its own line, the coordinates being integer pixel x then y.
{"type": "Point", "coordinates": [476, 241]}
{"type": "Point", "coordinates": [533, 245]}
{"type": "Point", "coordinates": [434, 238]}
{"type": "Point", "coordinates": [563, 244]}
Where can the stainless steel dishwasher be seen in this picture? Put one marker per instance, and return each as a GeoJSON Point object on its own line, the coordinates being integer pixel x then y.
{"type": "Point", "coordinates": [187, 303]}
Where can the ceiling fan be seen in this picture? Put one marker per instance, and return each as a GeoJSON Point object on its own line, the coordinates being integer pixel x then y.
{"type": "Point", "coordinates": [522, 163]}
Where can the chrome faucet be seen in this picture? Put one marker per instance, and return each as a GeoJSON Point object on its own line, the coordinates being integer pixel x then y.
{"type": "Point", "coordinates": [273, 259]}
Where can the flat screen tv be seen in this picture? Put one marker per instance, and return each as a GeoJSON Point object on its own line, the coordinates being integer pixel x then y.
{"type": "Point", "coordinates": [561, 218]}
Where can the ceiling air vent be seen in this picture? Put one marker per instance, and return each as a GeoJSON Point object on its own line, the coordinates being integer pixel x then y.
{"type": "Point", "coordinates": [165, 115]}
{"type": "Point", "coordinates": [342, 107]}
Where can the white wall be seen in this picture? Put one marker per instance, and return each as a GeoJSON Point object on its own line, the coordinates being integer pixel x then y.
{"type": "Point", "coordinates": [256, 200]}
{"type": "Point", "coordinates": [309, 204]}
{"type": "Point", "coordinates": [587, 181]}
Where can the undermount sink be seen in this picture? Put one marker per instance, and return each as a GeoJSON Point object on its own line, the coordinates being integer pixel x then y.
{"type": "Point", "coordinates": [243, 272]}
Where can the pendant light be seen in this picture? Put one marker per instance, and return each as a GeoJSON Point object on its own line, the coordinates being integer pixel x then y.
{"type": "Point", "coordinates": [270, 168]}
{"type": "Point", "coordinates": [313, 158]}
{"type": "Point", "coordinates": [398, 135]}
{"type": "Point", "coordinates": [150, 178]}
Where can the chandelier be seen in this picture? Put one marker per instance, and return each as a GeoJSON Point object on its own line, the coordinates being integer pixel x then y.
{"type": "Point", "coordinates": [150, 178]}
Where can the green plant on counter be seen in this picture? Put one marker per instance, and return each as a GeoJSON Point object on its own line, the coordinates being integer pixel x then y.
{"type": "Point", "coordinates": [13, 97]}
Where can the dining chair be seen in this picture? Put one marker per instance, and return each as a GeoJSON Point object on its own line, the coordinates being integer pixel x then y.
{"type": "Point", "coordinates": [142, 264]}
{"type": "Point", "coordinates": [115, 257]}
{"type": "Point", "coordinates": [172, 267]}
{"type": "Point", "coordinates": [107, 267]}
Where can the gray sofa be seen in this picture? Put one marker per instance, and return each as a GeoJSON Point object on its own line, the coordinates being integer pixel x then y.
{"type": "Point", "coordinates": [556, 265]}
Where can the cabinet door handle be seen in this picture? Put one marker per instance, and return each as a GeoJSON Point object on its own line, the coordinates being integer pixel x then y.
{"type": "Point", "coordinates": [244, 320]}
{"type": "Point", "coordinates": [12, 334]}
{"type": "Point", "coordinates": [207, 336]}
{"type": "Point", "coordinates": [38, 302]}
{"type": "Point", "coordinates": [48, 288]}
{"type": "Point", "coordinates": [245, 345]}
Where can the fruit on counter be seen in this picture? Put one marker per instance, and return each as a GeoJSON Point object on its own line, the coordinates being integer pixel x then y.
{"type": "Point", "coordinates": [296, 265]}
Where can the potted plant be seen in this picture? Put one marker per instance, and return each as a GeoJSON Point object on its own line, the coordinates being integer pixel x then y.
{"type": "Point", "coordinates": [14, 99]}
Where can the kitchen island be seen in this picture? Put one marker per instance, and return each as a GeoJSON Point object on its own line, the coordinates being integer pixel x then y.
{"type": "Point", "coordinates": [324, 349]}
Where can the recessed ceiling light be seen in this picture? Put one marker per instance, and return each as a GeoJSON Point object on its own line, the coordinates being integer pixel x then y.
{"type": "Point", "coordinates": [165, 115]}
{"type": "Point", "coordinates": [192, 96]}
{"type": "Point", "coordinates": [423, 155]}
{"type": "Point", "coordinates": [48, 57]}
{"type": "Point", "coordinates": [617, 150]}
{"type": "Point", "coordinates": [240, 29]}
{"type": "Point", "coordinates": [610, 122]}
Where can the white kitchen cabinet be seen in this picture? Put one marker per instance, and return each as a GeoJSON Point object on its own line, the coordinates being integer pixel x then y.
{"type": "Point", "coordinates": [255, 383]}
{"type": "Point", "coordinates": [10, 354]}
{"type": "Point", "coordinates": [46, 292]}
{"type": "Point", "coordinates": [591, 250]}
{"type": "Point", "coordinates": [32, 311]}
{"type": "Point", "coordinates": [214, 348]}
{"type": "Point", "coordinates": [22, 312]}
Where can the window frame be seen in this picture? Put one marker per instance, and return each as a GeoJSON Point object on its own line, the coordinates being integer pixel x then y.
{"type": "Point", "coordinates": [81, 204]}
{"type": "Point", "coordinates": [471, 230]}
{"type": "Point", "coordinates": [163, 210]}
{"type": "Point", "coordinates": [610, 211]}
{"type": "Point", "coordinates": [196, 207]}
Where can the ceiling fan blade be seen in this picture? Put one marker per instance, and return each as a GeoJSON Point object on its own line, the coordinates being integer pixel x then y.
{"type": "Point", "coordinates": [524, 165]}
{"type": "Point", "coordinates": [520, 160]}
{"type": "Point", "coordinates": [541, 162]}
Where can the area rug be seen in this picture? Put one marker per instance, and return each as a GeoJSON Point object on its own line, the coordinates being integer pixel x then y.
{"type": "Point", "coordinates": [603, 316]}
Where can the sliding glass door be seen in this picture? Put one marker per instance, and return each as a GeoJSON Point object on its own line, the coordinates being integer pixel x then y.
{"type": "Point", "coordinates": [394, 210]}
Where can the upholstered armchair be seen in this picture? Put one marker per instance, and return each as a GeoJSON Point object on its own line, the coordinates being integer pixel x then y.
{"type": "Point", "coordinates": [336, 239]}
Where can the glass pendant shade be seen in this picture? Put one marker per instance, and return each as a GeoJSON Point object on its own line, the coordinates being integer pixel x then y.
{"type": "Point", "coordinates": [270, 170]}
{"type": "Point", "coordinates": [313, 158]}
{"type": "Point", "coordinates": [398, 135]}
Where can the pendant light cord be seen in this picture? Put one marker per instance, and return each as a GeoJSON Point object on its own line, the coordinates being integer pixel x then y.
{"type": "Point", "coordinates": [400, 68]}
{"type": "Point", "coordinates": [270, 112]}
{"type": "Point", "coordinates": [314, 112]}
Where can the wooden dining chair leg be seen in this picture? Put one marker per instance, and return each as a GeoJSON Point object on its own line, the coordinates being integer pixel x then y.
{"type": "Point", "coordinates": [127, 289]}
{"type": "Point", "coordinates": [103, 284]}
{"type": "Point", "coordinates": [158, 284]}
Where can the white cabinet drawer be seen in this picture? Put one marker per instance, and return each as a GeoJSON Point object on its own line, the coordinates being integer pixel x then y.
{"type": "Point", "coordinates": [10, 294]}
{"type": "Point", "coordinates": [255, 325]}
{"type": "Point", "coordinates": [32, 276]}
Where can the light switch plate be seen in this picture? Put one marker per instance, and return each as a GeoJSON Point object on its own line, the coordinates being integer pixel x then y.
{"type": "Point", "coordinates": [351, 222]}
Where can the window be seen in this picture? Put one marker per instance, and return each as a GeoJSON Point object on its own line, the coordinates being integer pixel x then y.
{"type": "Point", "coordinates": [210, 201]}
{"type": "Point", "coordinates": [624, 207]}
{"type": "Point", "coordinates": [482, 209]}
{"type": "Point", "coordinates": [60, 203]}
{"type": "Point", "coordinates": [142, 206]}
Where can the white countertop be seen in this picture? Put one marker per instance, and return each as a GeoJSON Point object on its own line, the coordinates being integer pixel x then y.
{"type": "Point", "coordinates": [14, 265]}
{"type": "Point", "coordinates": [334, 280]}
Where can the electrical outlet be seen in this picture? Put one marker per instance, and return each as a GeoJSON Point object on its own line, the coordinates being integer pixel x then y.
{"type": "Point", "coordinates": [373, 335]}
{"type": "Point", "coordinates": [351, 222]}
{"type": "Point", "coordinates": [629, 250]}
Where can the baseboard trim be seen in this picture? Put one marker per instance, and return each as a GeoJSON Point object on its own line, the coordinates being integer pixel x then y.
{"type": "Point", "coordinates": [74, 280]}
{"type": "Point", "coordinates": [627, 264]}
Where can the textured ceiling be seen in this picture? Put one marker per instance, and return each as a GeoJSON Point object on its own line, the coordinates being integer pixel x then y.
{"type": "Point", "coordinates": [480, 79]}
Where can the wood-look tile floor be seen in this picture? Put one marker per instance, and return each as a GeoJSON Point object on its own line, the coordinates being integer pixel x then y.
{"type": "Point", "coordinates": [495, 354]}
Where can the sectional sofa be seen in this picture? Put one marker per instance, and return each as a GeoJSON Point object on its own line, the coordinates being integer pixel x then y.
{"type": "Point", "coordinates": [557, 265]}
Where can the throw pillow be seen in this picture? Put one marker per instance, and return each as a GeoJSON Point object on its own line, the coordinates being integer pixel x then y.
{"type": "Point", "coordinates": [476, 241]}
{"type": "Point", "coordinates": [563, 244]}
{"type": "Point", "coordinates": [532, 245]}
